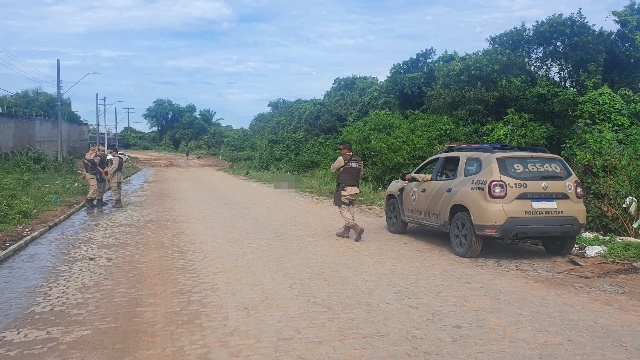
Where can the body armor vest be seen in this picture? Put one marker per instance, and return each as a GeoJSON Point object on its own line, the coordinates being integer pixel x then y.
{"type": "Point", "coordinates": [120, 164]}
{"type": "Point", "coordinates": [102, 163]}
{"type": "Point", "coordinates": [90, 166]}
{"type": "Point", "coordinates": [349, 174]}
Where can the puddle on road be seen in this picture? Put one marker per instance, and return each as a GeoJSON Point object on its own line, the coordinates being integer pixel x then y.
{"type": "Point", "coordinates": [26, 270]}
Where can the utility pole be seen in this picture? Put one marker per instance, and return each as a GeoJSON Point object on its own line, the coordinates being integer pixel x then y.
{"type": "Point", "coordinates": [97, 122]}
{"type": "Point", "coordinates": [104, 106]}
{"type": "Point", "coordinates": [104, 113]}
{"type": "Point", "coordinates": [115, 112]}
{"type": "Point", "coordinates": [129, 112]}
{"type": "Point", "coordinates": [59, 116]}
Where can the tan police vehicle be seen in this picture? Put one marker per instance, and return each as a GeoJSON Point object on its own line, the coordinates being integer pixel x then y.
{"type": "Point", "coordinates": [482, 191]}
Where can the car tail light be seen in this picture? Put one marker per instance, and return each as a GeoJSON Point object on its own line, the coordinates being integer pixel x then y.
{"type": "Point", "coordinates": [497, 189]}
{"type": "Point", "coordinates": [579, 189]}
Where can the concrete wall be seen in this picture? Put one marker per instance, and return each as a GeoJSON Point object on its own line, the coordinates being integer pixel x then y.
{"type": "Point", "coordinates": [18, 132]}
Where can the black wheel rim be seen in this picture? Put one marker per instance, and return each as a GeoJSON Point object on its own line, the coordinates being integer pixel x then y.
{"type": "Point", "coordinates": [393, 216]}
{"type": "Point", "coordinates": [460, 236]}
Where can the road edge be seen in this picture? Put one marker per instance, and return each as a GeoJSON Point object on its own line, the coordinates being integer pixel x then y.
{"type": "Point", "coordinates": [25, 241]}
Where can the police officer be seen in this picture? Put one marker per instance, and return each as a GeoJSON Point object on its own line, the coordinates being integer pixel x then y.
{"type": "Point", "coordinates": [115, 177]}
{"type": "Point", "coordinates": [101, 177]}
{"type": "Point", "coordinates": [90, 165]}
{"type": "Point", "coordinates": [349, 168]}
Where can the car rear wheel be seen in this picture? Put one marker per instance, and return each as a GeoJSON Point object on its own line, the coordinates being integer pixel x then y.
{"type": "Point", "coordinates": [464, 241]}
{"type": "Point", "coordinates": [395, 224]}
{"type": "Point", "coordinates": [559, 245]}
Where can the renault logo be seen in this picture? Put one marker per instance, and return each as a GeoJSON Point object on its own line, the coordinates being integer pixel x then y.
{"type": "Point", "coordinates": [545, 186]}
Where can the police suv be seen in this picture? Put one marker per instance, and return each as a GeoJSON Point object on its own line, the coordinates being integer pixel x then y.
{"type": "Point", "coordinates": [483, 191]}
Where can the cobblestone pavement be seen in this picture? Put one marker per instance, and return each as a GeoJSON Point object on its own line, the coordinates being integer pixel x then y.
{"type": "Point", "coordinates": [201, 265]}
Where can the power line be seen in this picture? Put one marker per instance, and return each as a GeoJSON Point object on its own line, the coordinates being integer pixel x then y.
{"type": "Point", "coordinates": [25, 64]}
{"type": "Point", "coordinates": [85, 106]}
{"type": "Point", "coordinates": [23, 73]}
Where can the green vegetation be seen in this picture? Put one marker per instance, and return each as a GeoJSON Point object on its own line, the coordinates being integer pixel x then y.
{"type": "Point", "coordinates": [32, 182]}
{"type": "Point", "coordinates": [616, 250]}
{"type": "Point", "coordinates": [38, 103]}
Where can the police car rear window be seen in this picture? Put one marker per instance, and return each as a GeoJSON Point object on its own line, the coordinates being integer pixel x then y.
{"type": "Point", "coordinates": [534, 168]}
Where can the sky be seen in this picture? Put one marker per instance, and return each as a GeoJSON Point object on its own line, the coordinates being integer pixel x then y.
{"type": "Point", "coordinates": [235, 56]}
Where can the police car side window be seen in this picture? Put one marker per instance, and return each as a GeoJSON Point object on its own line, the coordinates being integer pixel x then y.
{"type": "Point", "coordinates": [448, 168]}
{"type": "Point", "coordinates": [472, 166]}
{"type": "Point", "coordinates": [427, 169]}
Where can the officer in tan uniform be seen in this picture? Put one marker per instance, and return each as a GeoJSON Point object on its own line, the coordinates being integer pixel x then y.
{"type": "Point", "coordinates": [101, 177]}
{"type": "Point", "coordinates": [90, 165]}
{"type": "Point", "coordinates": [115, 177]}
{"type": "Point", "coordinates": [349, 168]}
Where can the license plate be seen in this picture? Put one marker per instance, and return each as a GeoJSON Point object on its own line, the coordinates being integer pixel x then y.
{"type": "Point", "coordinates": [544, 204]}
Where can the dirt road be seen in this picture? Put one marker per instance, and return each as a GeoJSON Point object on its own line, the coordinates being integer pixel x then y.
{"type": "Point", "coordinates": [200, 264]}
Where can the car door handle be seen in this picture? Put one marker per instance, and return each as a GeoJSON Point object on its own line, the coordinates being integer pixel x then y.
{"type": "Point", "coordinates": [449, 190]}
{"type": "Point", "coordinates": [423, 190]}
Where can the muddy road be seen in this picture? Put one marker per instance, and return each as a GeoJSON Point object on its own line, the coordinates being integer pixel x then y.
{"type": "Point", "coordinates": [200, 264]}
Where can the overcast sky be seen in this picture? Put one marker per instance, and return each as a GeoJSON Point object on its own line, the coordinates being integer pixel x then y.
{"type": "Point", "coordinates": [234, 56]}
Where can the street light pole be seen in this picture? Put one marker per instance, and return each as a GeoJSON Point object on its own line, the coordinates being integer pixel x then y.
{"type": "Point", "coordinates": [59, 107]}
{"type": "Point", "coordinates": [97, 122]}
{"type": "Point", "coordinates": [104, 106]}
{"type": "Point", "coordinates": [59, 116]}
{"type": "Point", "coordinates": [115, 111]}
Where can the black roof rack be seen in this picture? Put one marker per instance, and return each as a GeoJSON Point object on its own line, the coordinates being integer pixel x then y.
{"type": "Point", "coordinates": [491, 148]}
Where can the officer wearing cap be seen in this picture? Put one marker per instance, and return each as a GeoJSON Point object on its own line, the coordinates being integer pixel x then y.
{"type": "Point", "coordinates": [349, 168]}
{"type": "Point", "coordinates": [90, 165]}
{"type": "Point", "coordinates": [115, 177]}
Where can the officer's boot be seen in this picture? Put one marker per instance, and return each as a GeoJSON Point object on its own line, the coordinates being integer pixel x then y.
{"type": "Point", "coordinates": [117, 204]}
{"type": "Point", "coordinates": [89, 203]}
{"type": "Point", "coordinates": [359, 231]}
{"type": "Point", "coordinates": [101, 202]}
{"type": "Point", "coordinates": [344, 233]}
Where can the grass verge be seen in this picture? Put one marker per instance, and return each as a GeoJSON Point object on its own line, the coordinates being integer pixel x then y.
{"type": "Point", "coordinates": [320, 182]}
{"type": "Point", "coordinates": [616, 250]}
{"type": "Point", "coordinates": [32, 182]}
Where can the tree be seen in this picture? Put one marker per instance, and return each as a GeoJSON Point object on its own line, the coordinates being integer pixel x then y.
{"type": "Point", "coordinates": [163, 115]}
{"type": "Point", "coordinates": [622, 64]}
{"type": "Point", "coordinates": [349, 98]}
{"type": "Point", "coordinates": [603, 153]}
{"type": "Point", "coordinates": [479, 88]}
{"type": "Point", "coordinates": [391, 144]}
{"type": "Point", "coordinates": [37, 103]}
{"type": "Point", "coordinates": [406, 86]}
{"type": "Point", "coordinates": [517, 129]}
{"type": "Point", "coordinates": [569, 50]}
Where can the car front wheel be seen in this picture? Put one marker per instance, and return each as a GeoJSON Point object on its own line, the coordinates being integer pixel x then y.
{"type": "Point", "coordinates": [559, 245]}
{"type": "Point", "coordinates": [395, 224]}
{"type": "Point", "coordinates": [464, 241]}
